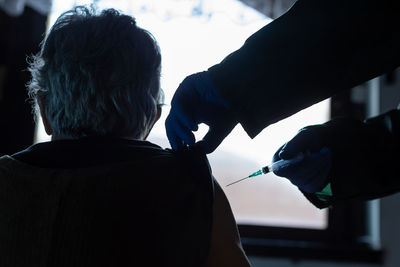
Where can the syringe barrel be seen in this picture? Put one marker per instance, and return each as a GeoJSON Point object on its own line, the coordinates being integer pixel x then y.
{"type": "Point", "coordinates": [285, 162]}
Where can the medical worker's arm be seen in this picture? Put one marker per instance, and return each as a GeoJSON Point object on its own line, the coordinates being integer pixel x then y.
{"type": "Point", "coordinates": [311, 52]}
{"type": "Point", "coordinates": [308, 54]}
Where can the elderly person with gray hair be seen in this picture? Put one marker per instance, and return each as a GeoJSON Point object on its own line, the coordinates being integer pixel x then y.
{"type": "Point", "coordinates": [98, 194]}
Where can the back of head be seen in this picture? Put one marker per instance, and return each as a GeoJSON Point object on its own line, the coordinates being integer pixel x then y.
{"type": "Point", "coordinates": [97, 74]}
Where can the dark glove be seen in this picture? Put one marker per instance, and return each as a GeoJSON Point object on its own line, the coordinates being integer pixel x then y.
{"type": "Point", "coordinates": [355, 157]}
{"type": "Point", "coordinates": [197, 101]}
{"type": "Point", "coordinates": [312, 172]}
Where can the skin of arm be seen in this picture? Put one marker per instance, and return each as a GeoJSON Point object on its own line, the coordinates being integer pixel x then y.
{"type": "Point", "coordinates": [226, 248]}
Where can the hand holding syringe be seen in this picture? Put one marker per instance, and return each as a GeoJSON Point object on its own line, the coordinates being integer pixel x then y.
{"type": "Point", "coordinates": [273, 167]}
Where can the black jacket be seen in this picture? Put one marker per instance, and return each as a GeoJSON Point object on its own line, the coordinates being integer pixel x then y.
{"type": "Point", "coordinates": [104, 202]}
{"type": "Point", "coordinates": [313, 51]}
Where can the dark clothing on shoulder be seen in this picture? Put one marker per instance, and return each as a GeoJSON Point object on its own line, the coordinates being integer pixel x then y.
{"type": "Point", "coordinates": [104, 202]}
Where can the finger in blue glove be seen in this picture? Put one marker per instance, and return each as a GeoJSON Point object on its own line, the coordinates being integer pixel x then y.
{"type": "Point", "coordinates": [197, 101]}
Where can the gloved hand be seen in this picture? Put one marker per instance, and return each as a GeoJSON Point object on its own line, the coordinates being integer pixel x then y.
{"type": "Point", "coordinates": [312, 172]}
{"type": "Point", "coordinates": [358, 158]}
{"type": "Point", "coordinates": [197, 101]}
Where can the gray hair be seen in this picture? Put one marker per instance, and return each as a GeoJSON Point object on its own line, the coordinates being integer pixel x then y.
{"type": "Point", "coordinates": [97, 74]}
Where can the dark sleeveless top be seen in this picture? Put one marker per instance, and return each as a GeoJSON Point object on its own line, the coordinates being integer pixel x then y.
{"type": "Point", "coordinates": [104, 202]}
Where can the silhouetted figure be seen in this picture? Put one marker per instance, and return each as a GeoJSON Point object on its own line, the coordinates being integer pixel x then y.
{"type": "Point", "coordinates": [98, 194]}
{"type": "Point", "coordinates": [23, 25]}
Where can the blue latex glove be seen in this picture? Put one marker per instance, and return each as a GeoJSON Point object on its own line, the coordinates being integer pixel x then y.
{"type": "Point", "coordinates": [311, 173]}
{"type": "Point", "coordinates": [197, 101]}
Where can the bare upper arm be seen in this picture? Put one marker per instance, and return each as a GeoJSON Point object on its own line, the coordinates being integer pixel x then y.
{"type": "Point", "coordinates": [226, 248]}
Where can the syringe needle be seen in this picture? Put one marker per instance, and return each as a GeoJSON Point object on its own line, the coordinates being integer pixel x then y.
{"type": "Point", "coordinates": [273, 167]}
{"type": "Point", "coordinates": [238, 181]}
{"type": "Point", "coordinates": [250, 176]}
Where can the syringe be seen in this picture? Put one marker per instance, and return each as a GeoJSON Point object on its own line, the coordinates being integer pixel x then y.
{"type": "Point", "coordinates": [275, 166]}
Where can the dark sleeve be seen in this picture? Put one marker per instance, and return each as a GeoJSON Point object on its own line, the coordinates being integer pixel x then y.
{"type": "Point", "coordinates": [311, 52]}
{"type": "Point", "coordinates": [197, 184]}
{"type": "Point", "coordinates": [365, 158]}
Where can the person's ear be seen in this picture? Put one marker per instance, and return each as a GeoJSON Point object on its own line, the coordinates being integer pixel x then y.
{"type": "Point", "coordinates": [158, 114]}
{"type": "Point", "coordinates": [46, 123]}
{"type": "Point", "coordinates": [156, 118]}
